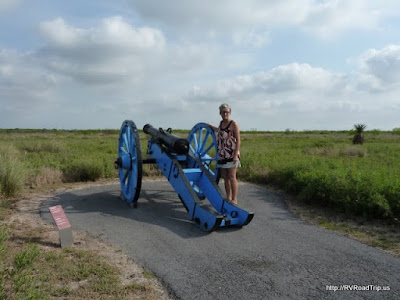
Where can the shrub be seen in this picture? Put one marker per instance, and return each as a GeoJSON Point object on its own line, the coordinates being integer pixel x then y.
{"type": "Point", "coordinates": [12, 172]}
{"type": "Point", "coordinates": [44, 176]}
{"type": "Point", "coordinates": [42, 146]}
{"type": "Point", "coordinates": [356, 151]}
{"type": "Point", "coordinates": [83, 171]}
{"type": "Point", "coordinates": [378, 206]}
{"type": "Point", "coordinates": [359, 136]}
{"type": "Point", "coordinates": [392, 194]}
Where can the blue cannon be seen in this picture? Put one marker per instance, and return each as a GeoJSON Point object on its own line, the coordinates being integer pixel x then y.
{"type": "Point", "coordinates": [190, 165]}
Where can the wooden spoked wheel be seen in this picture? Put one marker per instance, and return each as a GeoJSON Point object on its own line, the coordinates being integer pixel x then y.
{"type": "Point", "coordinates": [129, 162]}
{"type": "Point", "coordinates": [203, 145]}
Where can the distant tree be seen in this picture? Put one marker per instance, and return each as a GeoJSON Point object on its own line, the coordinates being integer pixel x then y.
{"type": "Point", "coordinates": [359, 136]}
{"type": "Point", "coordinates": [288, 131]}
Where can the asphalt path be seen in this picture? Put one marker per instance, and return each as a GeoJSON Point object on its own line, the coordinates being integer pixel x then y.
{"type": "Point", "coordinates": [276, 256]}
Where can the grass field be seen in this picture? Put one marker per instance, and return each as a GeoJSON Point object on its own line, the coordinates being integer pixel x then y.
{"type": "Point", "coordinates": [326, 169]}
{"type": "Point", "coordinates": [323, 169]}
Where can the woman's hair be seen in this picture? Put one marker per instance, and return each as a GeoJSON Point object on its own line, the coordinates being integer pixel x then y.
{"type": "Point", "coordinates": [225, 106]}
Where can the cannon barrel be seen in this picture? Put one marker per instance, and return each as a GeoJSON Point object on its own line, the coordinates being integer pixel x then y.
{"type": "Point", "coordinates": [173, 143]}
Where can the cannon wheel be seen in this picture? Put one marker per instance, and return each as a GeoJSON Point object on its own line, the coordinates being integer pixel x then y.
{"type": "Point", "coordinates": [129, 162]}
{"type": "Point", "coordinates": [203, 145]}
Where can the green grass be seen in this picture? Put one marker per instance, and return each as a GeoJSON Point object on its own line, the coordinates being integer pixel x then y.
{"type": "Point", "coordinates": [3, 238]}
{"type": "Point", "coordinates": [12, 171]}
{"type": "Point", "coordinates": [327, 170]}
{"type": "Point", "coordinates": [31, 158]}
{"type": "Point", "coordinates": [26, 257]}
{"type": "Point", "coordinates": [69, 273]}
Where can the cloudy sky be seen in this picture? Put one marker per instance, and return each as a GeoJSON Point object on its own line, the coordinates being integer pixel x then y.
{"type": "Point", "coordinates": [298, 64]}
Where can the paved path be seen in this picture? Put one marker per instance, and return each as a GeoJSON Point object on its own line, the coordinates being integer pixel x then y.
{"type": "Point", "coordinates": [276, 256]}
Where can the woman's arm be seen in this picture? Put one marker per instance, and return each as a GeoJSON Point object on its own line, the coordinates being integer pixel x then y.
{"type": "Point", "coordinates": [213, 127]}
{"type": "Point", "coordinates": [236, 133]}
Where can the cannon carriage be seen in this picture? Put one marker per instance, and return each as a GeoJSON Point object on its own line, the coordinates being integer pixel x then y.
{"type": "Point", "coordinates": [190, 166]}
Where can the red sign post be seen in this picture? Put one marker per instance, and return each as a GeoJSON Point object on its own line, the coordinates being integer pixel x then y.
{"type": "Point", "coordinates": [63, 225]}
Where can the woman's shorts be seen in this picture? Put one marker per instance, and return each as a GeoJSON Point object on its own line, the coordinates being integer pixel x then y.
{"type": "Point", "coordinates": [228, 164]}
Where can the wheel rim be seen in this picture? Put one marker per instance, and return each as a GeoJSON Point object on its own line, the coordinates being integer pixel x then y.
{"type": "Point", "coordinates": [203, 145]}
{"type": "Point", "coordinates": [129, 162]}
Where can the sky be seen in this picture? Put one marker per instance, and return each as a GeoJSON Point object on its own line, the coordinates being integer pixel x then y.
{"type": "Point", "coordinates": [280, 64]}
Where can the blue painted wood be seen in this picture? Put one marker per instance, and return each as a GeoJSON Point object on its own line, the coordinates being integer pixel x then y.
{"type": "Point", "coordinates": [193, 176]}
{"type": "Point", "coordinates": [129, 162]}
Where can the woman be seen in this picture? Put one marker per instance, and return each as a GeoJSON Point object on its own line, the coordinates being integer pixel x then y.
{"type": "Point", "coordinates": [228, 139]}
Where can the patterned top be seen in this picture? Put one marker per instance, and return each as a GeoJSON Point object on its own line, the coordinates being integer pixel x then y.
{"type": "Point", "coordinates": [226, 143]}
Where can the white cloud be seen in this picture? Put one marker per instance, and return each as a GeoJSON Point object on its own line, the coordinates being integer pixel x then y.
{"type": "Point", "coordinates": [223, 15]}
{"type": "Point", "coordinates": [291, 78]}
{"type": "Point", "coordinates": [382, 65]}
{"type": "Point", "coordinates": [249, 20]}
{"type": "Point", "coordinates": [144, 63]}
{"type": "Point", "coordinates": [111, 52]}
{"type": "Point", "coordinates": [302, 94]}
{"type": "Point", "coordinates": [243, 23]}
{"type": "Point", "coordinates": [57, 33]}
{"type": "Point", "coordinates": [115, 52]}
{"type": "Point", "coordinates": [331, 17]}
{"type": "Point", "coordinates": [133, 67]}
{"type": "Point", "coordinates": [22, 79]}
{"type": "Point", "coordinates": [112, 33]}
{"type": "Point", "coordinates": [299, 76]}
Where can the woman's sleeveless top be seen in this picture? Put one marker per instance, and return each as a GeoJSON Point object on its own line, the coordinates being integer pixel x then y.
{"type": "Point", "coordinates": [226, 143]}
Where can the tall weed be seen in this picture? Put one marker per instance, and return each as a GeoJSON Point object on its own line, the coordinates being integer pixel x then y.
{"type": "Point", "coordinates": [39, 146]}
{"type": "Point", "coordinates": [44, 176]}
{"type": "Point", "coordinates": [12, 171]}
{"type": "Point", "coordinates": [83, 171]}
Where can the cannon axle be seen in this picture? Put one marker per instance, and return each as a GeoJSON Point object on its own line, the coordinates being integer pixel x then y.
{"type": "Point", "coordinates": [124, 162]}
